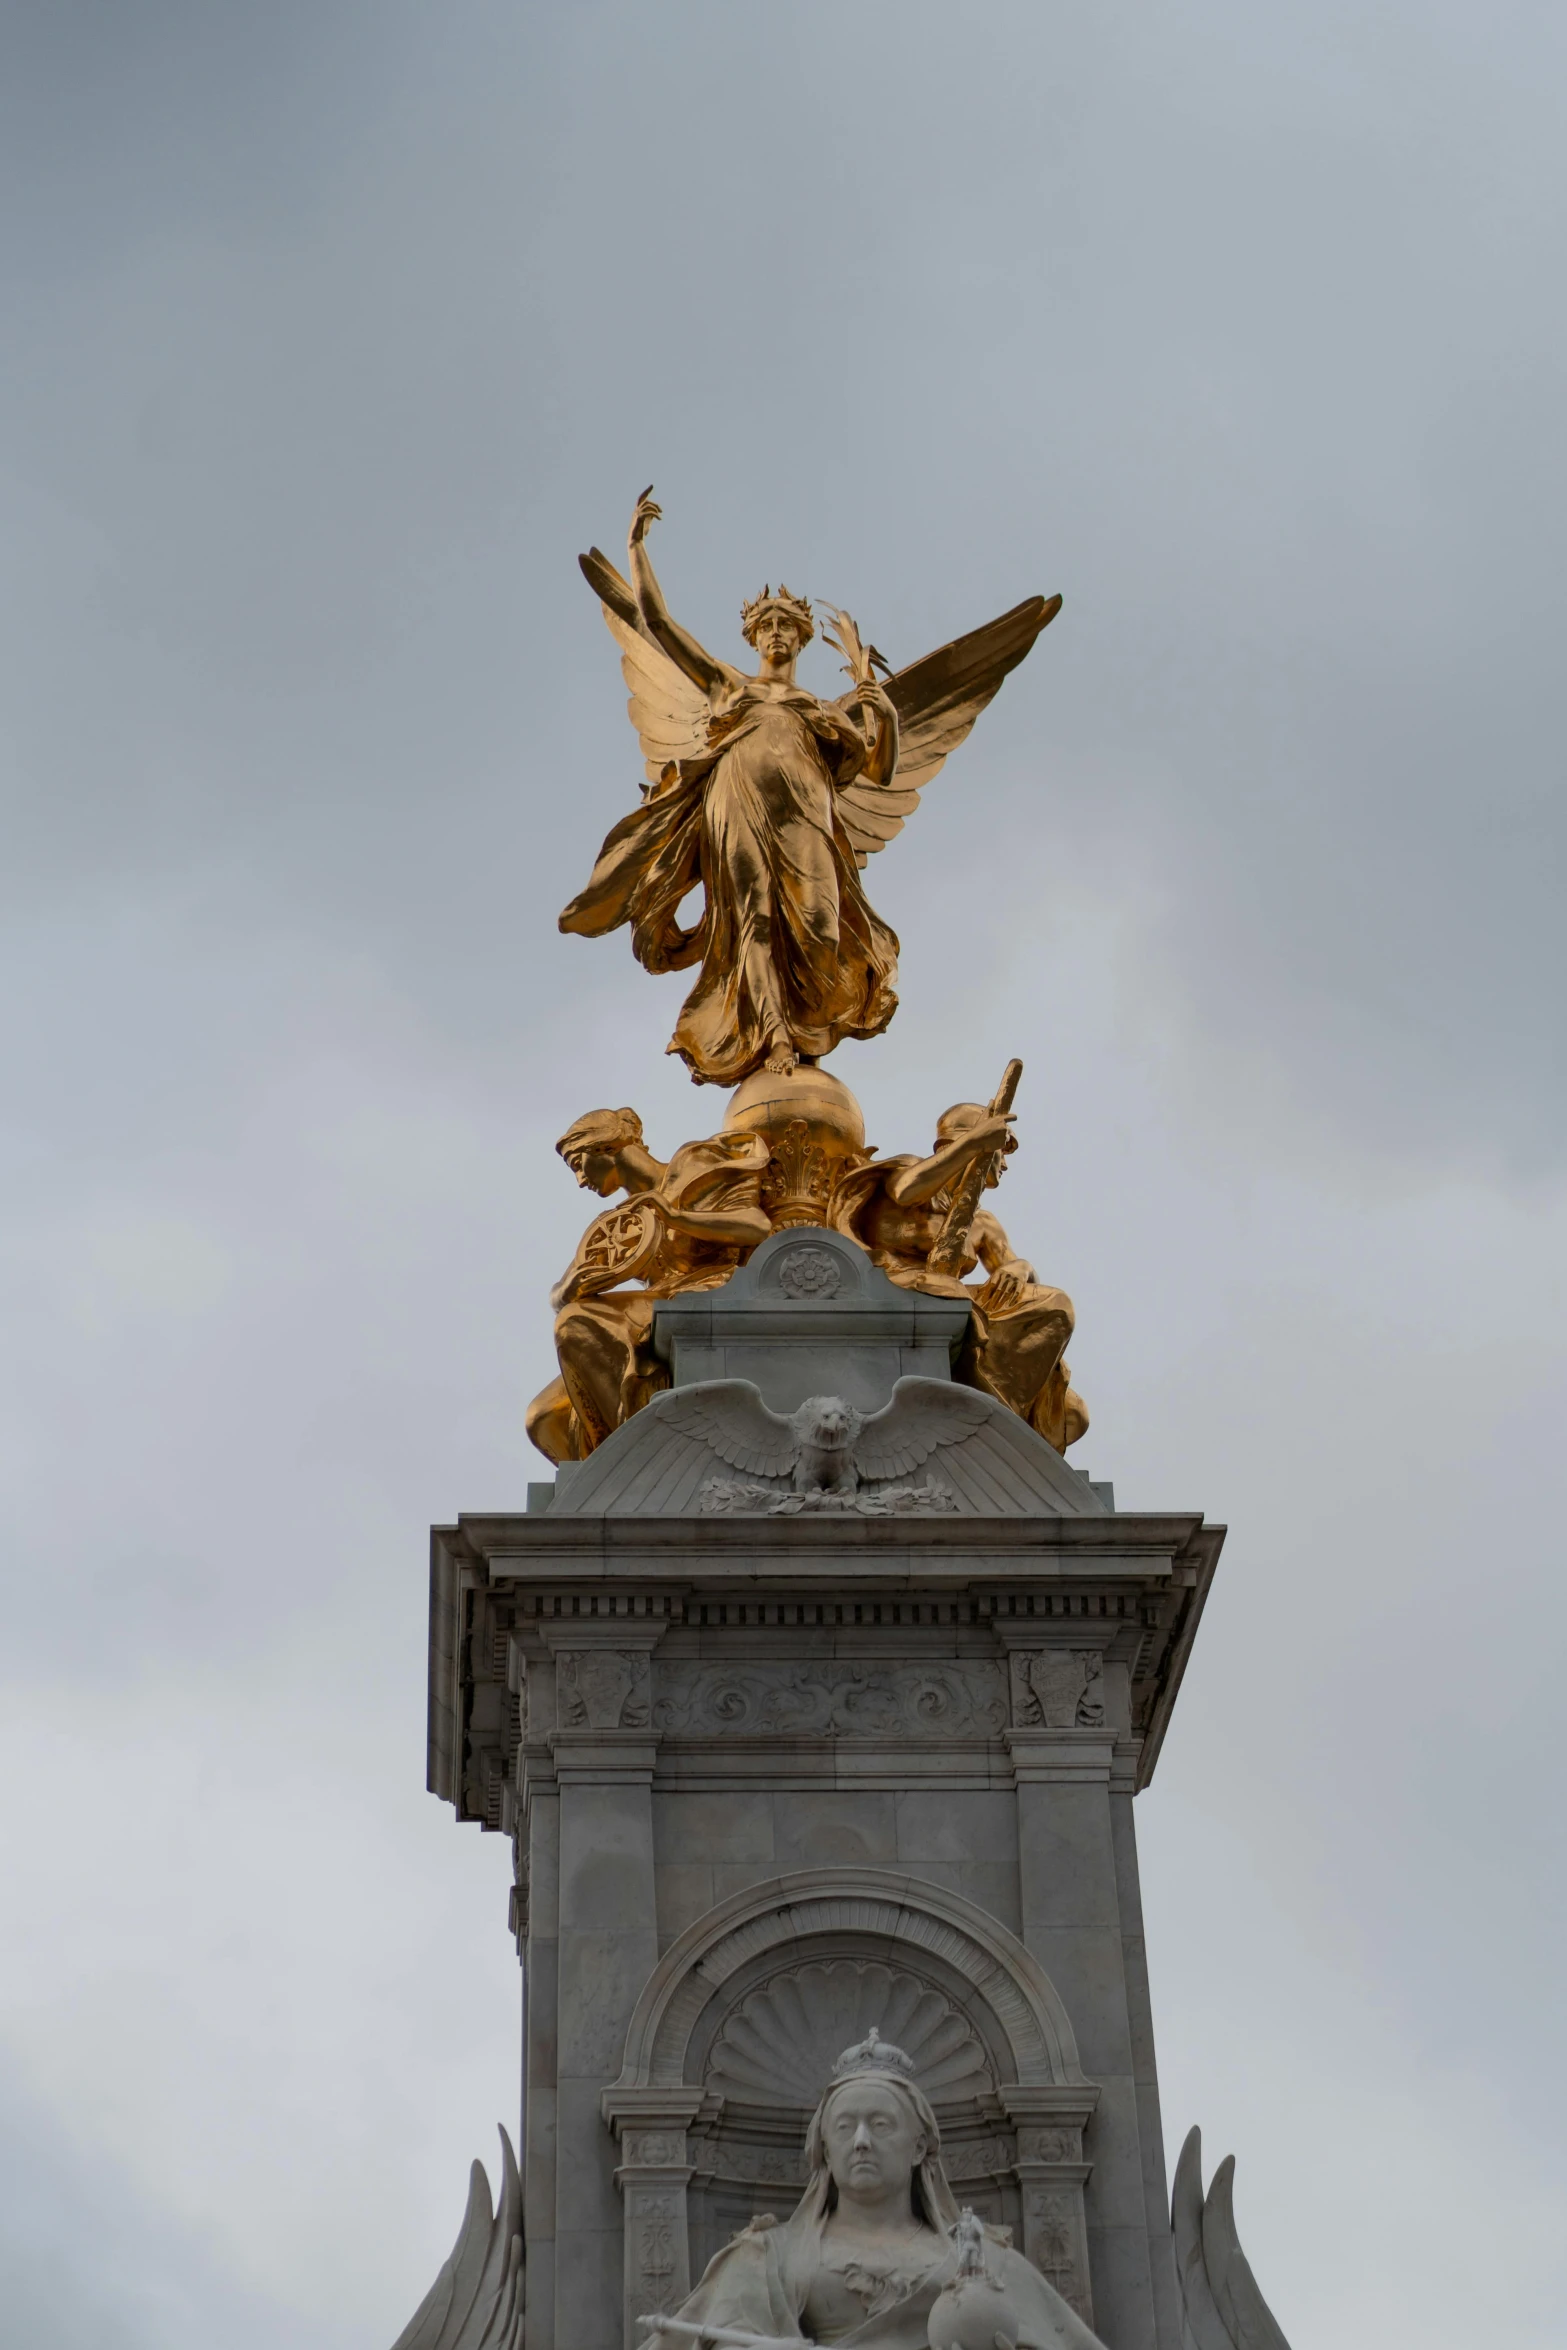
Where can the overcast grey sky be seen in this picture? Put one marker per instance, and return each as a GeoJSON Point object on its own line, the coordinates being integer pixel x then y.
{"type": "Point", "coordinates": [334, 331]}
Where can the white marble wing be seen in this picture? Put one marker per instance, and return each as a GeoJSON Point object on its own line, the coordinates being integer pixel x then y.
{"type": "Point", "coordinates": [924, 1415]}
{"type": "Point", "coordinates": [476, 2303]}
{"type": "Point", "coordinates": [1221, 2308]}
{"type": "Point", "coordinates": [729, 1416]}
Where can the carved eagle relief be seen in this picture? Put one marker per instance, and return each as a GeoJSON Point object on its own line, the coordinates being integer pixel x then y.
{"type": "Point", "coordinates": [826, 1454]}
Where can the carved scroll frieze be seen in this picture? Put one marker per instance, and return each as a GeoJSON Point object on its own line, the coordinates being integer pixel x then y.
{"type": "Point", "coordinates": [1057, 1688]}
{"type": "Point", "coordinates": [602, 1689]}
{"type": "Point", "coordinates": [959, 1699]}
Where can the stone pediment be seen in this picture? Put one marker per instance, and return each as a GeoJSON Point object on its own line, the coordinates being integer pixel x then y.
{"type": "Point", "coordinates": [810, 1315]}
{"type": "Point", "coordinates": [716, 1449]}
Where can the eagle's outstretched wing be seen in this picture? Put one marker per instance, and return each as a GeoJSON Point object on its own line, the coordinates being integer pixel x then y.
{"type": "Point", "coordinates": [937, 701]}
{"type": "Point", "coordinates": [924, 1415]}
{"type": "Point", "coordinates": [729, 1416]}
{"type": "Point", "coordinates": [669, 712]}
{"type": "Point", "coordinates": [476, 2303]}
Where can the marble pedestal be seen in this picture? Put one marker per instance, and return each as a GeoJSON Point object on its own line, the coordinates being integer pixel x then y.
{"type": "Point", "coordinates": [775, 1777]}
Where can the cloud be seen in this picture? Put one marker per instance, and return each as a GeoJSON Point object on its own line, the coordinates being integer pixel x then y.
{"type": "Point", "coordinates": [336, 334]}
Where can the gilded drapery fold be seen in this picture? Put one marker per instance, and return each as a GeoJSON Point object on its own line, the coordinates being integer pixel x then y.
{"type": "Point", "coordinates": [788, 938]}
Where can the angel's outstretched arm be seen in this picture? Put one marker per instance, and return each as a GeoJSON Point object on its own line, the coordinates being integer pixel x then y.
{"type": "Point", "coordinates": [682, 649]}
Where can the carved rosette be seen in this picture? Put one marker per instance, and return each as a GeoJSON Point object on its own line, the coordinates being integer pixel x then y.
{"type": "Point", "coordinates": [1057, 1688]}
{"type": "Point", "coordinates": [809, 1274]}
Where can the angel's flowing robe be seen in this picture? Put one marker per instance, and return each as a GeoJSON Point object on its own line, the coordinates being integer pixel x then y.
{"type": "Point", "coordinates": [787, 942]}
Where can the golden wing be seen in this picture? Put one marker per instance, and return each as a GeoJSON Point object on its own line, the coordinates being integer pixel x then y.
{"type": "Point", "coordinates": [937, 701]}
{"type": "Point", "coordinates": [669, 713]}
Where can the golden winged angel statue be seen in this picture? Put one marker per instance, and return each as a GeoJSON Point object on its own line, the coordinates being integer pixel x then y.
{"type": "Point", "coordinates": [771, 800]}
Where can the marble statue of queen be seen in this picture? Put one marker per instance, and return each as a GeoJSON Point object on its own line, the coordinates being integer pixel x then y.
{"type": "Point", "coordinates": [876, 2253]}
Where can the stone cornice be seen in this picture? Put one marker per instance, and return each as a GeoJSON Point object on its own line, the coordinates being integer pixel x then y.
{"type": "Point", "coordinates": [1130, 1585]}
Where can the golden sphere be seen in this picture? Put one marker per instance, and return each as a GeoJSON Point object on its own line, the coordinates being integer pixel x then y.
{"type": "Point", "coordinates": [767, 1104]}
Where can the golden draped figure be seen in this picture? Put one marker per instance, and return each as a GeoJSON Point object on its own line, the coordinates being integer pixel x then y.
{"type": "Point", "coordinates": [686, 1224]}
{"type": "Point", "coordinates": [1015, 1350]}
{"type": "Point", "coordinates": [771, 800]}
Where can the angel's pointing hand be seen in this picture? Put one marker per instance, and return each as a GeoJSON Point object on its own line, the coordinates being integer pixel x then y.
{"type": "Point", "coordinates": [647, 513]}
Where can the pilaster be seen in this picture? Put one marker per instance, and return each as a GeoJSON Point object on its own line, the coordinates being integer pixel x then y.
{"type": "Point", "coordinates": [603, 1751]}
{"type": "Point", "coordinates": [652, 2177]}
{"type": "Point", "coordinates": [1072, 1923]}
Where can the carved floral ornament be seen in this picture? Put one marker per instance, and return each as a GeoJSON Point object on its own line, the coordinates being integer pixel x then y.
{"type": "Point", "coordinates": [810, 1273]}
{"type": "Point", "coordinates": [603, 1689]}
{"type": "Point", "coordinates": [1053, 2229]}
{"type": "Point", "coordinates": [1057, 1688]}
{"type": "Point", "coordinates": [656, 2240]}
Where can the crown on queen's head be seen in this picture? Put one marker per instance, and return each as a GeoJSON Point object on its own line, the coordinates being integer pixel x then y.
{"type": "Point", "coordinates": [797, 607]}
{"type": "Point", "coordinates": [873, 2055]}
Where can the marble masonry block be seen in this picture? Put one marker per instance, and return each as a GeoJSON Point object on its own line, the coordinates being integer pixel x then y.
{"type": "Point", "coordinates": [965, 1826]}
{"type": "Point", "coordinates": [770, 1781]}
{"type": "Point", "coordinates": [735, 1827]}
{"type": "Point", "coordinates": [685, 1891]}
{"type": "Point", "coordinates": [1126, 2309]}
{"type": "Point", "coordinates": [1066, 1857]}
{"type": "Point", "coordinates": [810, 1315]}
{"type": "Point", "coordinates": [1086, 1965]}
{"type": "Point", "coordinates": [841, 1829]}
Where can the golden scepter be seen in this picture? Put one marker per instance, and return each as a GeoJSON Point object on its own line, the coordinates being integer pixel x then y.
{"type": "Point", "coordinates": [948, 1253]}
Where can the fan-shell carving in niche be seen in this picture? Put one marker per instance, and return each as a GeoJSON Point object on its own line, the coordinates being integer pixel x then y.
{"type": "Point", "coordinates": [780, 2043]}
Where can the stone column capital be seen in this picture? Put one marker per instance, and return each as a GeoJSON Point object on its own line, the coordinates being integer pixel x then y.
{"type": "Point", "coordinates": [1079, 1758]}
{"type": "Point", "coordinates": [1062, 2105]}
{"type": "Point", "coordinates": [662, 2108]}
{"type": "Point", "coordinates": [604, 1758]}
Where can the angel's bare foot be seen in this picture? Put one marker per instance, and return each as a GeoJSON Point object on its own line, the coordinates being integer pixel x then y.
{"type": "Point", "coordinates": [782, 1060]}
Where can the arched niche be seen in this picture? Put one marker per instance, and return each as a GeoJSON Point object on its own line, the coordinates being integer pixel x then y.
{"type": "Point", "coordinates": [736, 2030]}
